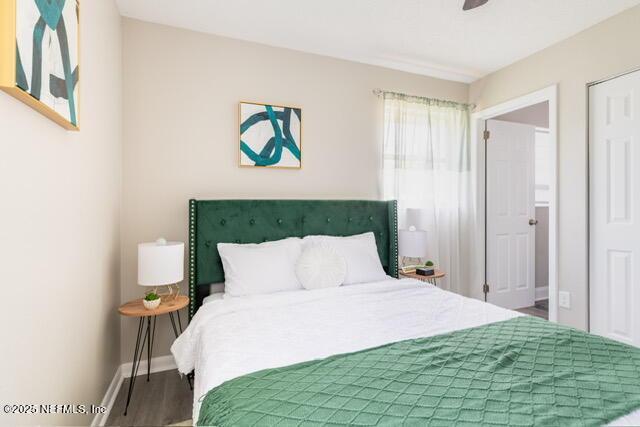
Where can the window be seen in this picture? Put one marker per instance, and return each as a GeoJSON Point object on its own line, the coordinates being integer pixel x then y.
{"type": "Point", "coordinates": [426, 165]}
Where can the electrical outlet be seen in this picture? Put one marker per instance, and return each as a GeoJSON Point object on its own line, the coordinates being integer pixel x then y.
{"type": "Point", "coordinates": [564, 299]}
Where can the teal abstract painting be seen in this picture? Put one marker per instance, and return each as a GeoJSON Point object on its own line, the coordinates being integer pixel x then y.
{"type": "Point", "coordinates": [270, 136]}
{"type": "Point", "coordinates": [47, 33]}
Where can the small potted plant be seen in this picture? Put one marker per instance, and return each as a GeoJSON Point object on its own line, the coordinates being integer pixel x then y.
{"type": "Point", "coordinates": [429, 265]}
{"type": "Point", "coordinates": [151, 301]}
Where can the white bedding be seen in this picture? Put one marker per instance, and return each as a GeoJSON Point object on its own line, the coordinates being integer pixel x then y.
{"type": "Point", "coordinates": [231, 337]}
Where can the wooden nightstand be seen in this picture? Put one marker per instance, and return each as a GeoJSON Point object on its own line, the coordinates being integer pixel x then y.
{"type": "Point", "coordinates": [438, 274]}
{"type": "Point", "coordinates": [136, 308]}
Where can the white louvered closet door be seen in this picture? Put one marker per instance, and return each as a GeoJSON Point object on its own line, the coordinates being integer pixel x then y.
{"type": "Point", "coordinates": [614, 204]}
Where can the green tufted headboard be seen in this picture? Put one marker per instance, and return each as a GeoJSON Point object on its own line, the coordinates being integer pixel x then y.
{"type": "Point", "coordinates": [255, 221]}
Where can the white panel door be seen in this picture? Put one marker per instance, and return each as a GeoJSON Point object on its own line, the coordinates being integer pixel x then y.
{"type": "Point", "coordinates": [510, 207]}
{"type": "Point", "coordinates": [614, 208]}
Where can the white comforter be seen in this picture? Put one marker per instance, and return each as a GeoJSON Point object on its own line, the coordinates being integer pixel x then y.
{"type": "Point", "coordinates": [231, 337]}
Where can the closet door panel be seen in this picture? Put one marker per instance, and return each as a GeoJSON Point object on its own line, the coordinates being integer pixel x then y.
{"type": "Point", "coordinates": [614, 208]}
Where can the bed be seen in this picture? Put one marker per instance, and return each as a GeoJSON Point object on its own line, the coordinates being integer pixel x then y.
{"type": "Point", "coordinates": [388, 352]}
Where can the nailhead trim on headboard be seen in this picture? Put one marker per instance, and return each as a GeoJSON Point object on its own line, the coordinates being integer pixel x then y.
{"type": "Point", "coordinates": [394, 262]}
{"type": "Point", "coordinates": [192, 258]}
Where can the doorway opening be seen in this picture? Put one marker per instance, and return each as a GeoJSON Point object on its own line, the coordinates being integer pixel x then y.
{"type": "Point", "coordinates": [517, 206]}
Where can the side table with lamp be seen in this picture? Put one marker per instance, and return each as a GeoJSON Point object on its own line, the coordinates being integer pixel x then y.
{"type": "Point", "coordinates": [160, 263]}
{"type": "Point", "coordinates": [412, 245]}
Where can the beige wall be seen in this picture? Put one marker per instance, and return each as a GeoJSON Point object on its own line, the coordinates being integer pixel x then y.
{"type": "Point", "coordinates": [608, 48]}
{"type": "Point", "coordinates": [60, 237]}
{"type": "Point", "coordinates": [181, 94]}
{"type": "Point", "coordinates": [536, 115]}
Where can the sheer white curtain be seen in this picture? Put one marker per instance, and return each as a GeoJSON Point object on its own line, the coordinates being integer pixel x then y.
{"type": "Point", "coordinates": [427, 166]}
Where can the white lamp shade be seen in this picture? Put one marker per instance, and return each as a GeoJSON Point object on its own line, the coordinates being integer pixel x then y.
{"type": "Point", "coordinates": [412, 243]}
{"type": "Point", "coordinates": [416, 218]}
{"type": "Point", "coordinates": [160, 263]}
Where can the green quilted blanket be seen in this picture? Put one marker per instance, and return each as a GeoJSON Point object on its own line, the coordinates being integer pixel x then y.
{"type": "Point", "coordinates": [520, 372]}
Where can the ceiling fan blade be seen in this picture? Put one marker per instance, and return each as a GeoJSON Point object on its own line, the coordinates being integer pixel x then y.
{"type": "Point", "coordinates": [472, 4]}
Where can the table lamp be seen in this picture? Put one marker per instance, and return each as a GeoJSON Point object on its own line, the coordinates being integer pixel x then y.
{"type": "Point", "coordinates": [161, 263]}
{"type": "Point", "coordinates": [417, 218]}
{"type": "Point", "coordinates": [413, 245]}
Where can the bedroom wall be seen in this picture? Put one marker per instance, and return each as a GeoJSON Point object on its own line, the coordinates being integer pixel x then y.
{"type": "Point", "coordinates": [60, 238]}
{"type": "Point", "coordinates": [181, 94]}
{"type": "Point", "coordinates": [603, 50]}
{"type": "Point", "coordinates": [536, 115]}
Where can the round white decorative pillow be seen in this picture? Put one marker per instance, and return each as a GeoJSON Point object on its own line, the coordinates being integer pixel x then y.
{"type": "Point", "coordinates": [319, 266]}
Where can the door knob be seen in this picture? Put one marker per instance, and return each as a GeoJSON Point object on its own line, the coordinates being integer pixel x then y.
{"type": "Point", "coordinates": [533, 221]}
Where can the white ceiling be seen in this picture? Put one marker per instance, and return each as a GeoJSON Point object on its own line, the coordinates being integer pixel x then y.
{"type": "Point", "coordinates": [430, 37]}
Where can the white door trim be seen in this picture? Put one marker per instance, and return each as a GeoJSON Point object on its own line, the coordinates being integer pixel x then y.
{"type": "Point", "coordinates": [549, 94]}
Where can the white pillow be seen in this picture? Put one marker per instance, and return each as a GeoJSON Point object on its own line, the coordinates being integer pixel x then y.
{"type": "Point", "coordinates": [251, 269]}
{"type": "Point", "coordinates": [320, 266]}
{"type": "Point", "coordinates": [360, 253]}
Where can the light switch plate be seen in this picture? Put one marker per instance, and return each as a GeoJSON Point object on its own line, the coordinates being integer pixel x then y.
{"type": "Point", "coordinates": [564, 299]}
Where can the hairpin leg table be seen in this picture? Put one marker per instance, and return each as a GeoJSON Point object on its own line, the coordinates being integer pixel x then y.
{"type": "Point", "coordinates": [147, 331]}
{"type": "Point", "coordinates": [438, 274]}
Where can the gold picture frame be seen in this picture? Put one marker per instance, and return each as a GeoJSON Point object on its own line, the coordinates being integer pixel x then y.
{"type": "Point", "coordinates": [293, 141]}
{"type": "Point", "coordinates": [65, 89]}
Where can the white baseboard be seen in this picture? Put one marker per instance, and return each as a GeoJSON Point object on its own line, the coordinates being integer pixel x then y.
{"type": "Point", "coordinates": [109, 398]}
{"type": "Point", "coordinates": [542, 293]}
{"type": "Point", "coordinates": [158, 364]}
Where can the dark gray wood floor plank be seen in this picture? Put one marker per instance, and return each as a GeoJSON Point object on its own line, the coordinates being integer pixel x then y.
{"type": "Point", "coordinates": [165, 399]}
{"type": "Point", "coordinates": [539, 310]}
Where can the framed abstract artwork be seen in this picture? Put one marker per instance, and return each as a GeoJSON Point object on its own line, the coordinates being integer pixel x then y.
{"type": "Point", "coordinates": [270, 136]}
{"type": "Point", "coordinates": [39, 56]}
